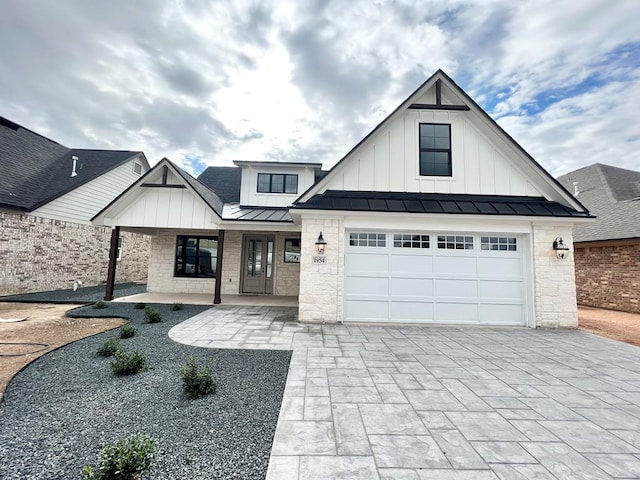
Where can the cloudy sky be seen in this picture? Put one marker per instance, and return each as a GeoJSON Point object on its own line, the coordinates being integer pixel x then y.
{"type": "Point", "coordinates": [205, 82]}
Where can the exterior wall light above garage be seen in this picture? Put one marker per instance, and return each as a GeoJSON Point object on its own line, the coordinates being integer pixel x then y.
{"type": "Point", "coordinates": [320, 244]}
{"type": "Point", "coordinates": [560, 248]}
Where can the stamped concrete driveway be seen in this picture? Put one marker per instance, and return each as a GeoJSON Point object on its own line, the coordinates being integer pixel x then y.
{"type": "Point", "coordinates": [426, 402]}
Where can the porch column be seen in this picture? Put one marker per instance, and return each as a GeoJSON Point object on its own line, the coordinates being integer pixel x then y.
{"type": "Point", "coordinates": [216, 295]}
{"type": "Point", "coordinates": [113, 255]}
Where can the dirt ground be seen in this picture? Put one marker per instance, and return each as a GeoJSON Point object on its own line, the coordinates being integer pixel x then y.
{"type": "Point", "coordinates": [621, 326]}
{"type": "Point", "coordinates": [46, 328]}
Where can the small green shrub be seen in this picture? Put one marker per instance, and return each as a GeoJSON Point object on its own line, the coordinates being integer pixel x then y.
{"type": "Point", "coordinates": [140, 306]}
{"type": "Point", "coordinates": [109, 348]}
{"type": "Point", "coordinates": [127, 331]}
{"type": "Point", "coordinates": [177, 306]}
{"type": "Point", "coordinates": [128, 363]}
{"type": "Point", "coordinates": [100, 304]}
{"type": "Point", "coordinates": [197, 382]}
{"type": "Point", "coordinates": [151, 315]}
{"type": "Point", "coordinates": [127, 459]}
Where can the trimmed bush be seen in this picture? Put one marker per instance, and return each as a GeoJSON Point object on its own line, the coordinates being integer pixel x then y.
{"type": "Point", "coordinates": [140, 306]}
{"type": "Point", "coordinates": [128, 363]}
{"type": "Point", "coordinates": [127, 331]}
{"type": "Point", "coordinates": [151, 315]}
{"type": "Point", "coordinates": [100, 304]}
{"type": "Point", "coordinates": [109, 348]}
{"type": "Point", "coordinates": [177, 306]}
{"type": "Point", "coordinates": [197, 382]}
{"type": "Point", "coordinates": [127, 459]}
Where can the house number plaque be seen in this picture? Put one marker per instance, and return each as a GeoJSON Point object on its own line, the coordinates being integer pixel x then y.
{"type": "Point", "coordinates": [319, 260]}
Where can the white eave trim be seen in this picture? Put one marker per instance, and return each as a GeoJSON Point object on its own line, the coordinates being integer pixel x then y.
{"type": "Point", "coordinates": [298, 212]}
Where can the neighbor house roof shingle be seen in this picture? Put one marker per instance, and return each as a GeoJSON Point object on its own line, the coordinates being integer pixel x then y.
{"type": "Point", "coordinates": [35, 170]}
{"type": "Point", "coordinates": [613, 195]}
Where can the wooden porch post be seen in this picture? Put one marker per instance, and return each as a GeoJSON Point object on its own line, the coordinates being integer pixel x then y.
{"type": "Point", "coordinates": [216, 296]}
{"type": "Point", "coordinates": [113, 256]}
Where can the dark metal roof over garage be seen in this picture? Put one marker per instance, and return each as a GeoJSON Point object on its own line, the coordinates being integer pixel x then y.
{"type": "Point", "coordinates": [438, 203]}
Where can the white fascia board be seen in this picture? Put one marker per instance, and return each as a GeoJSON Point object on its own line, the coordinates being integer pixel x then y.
{"type": "Point", "coordinates": [345, 214]}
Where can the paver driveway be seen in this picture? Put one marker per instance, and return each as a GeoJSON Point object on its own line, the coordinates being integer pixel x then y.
{"type": "Point", "coordinates": [426, 402]}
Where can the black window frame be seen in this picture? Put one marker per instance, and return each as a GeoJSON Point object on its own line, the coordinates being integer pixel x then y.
{"type": "Point", "coordinates": [424, 149]}
{"type": "Point", "coordinates": [284, 183]}
{"type": "Point", "coordinates": [197, 270]}
{"type": "Point", "coordinates": [292, 242]}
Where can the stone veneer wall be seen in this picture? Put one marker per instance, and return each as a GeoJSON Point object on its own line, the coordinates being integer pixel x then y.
{"type": "Point", "coordinates": [554, 278]}
{"type": "Point", "coordinates": [161, 266]}
{"type": "Point", "coordinates": [608, 276]}
{"type": "Point", "coordinates": [321, 285]}
{"type": "Point", "coordinates": [39, 254]}
{"type": "Point", "coordinates": [287, 274]}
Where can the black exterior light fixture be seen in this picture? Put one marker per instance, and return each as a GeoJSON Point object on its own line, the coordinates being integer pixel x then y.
{"type": "Point", "coordinates": [320, 244]}
{"type": "Point", "coordinates": [560, 248]}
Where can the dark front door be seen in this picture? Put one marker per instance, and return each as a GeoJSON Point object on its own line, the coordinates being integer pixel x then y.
{"type": "Point", "coordinates": [257, 276]}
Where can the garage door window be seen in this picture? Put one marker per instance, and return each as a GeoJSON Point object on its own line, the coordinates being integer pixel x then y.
{"type": "Point", "coordinates": [404, 240]}
{"type": "Point", "coordinates": [367, 239]}
{"type": "Point", "coordinates": [455, 242]}
{"type": "Point", "coordinates": [505, 244]}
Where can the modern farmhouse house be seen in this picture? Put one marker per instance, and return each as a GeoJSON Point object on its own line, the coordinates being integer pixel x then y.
{"type": "Point", "coordinates": [437, 215]}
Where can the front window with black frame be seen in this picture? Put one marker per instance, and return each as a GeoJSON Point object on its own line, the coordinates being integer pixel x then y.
{"type": "Point", "coordinates": [277, 183]}
{"type": "Point", "coordinates": [292, 250]}
{"type": "Point", "coordinates": [196, 256]}
{"type": "Point", "coordinates": [435, 150]}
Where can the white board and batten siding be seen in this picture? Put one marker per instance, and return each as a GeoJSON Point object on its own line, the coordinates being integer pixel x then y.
{"type": "Point", "coordinates": [82, 203]}
{"type": "Point", "coordinates": [389, 161]}
{"type": "Point", "coordinates": [162, 206]}
{"type": "Point", "coordinates": [435, 285]}
{"type": "Point", "coordinates": [249, 188]}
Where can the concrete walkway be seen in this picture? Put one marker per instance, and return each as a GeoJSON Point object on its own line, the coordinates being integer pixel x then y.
{"type": "Point", "coordinates": [425, 402]}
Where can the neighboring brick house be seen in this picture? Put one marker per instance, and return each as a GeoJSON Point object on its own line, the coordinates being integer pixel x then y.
{"type": "Point", "coordinates": [607, 252]}
{"type": "Point", "coordinates": [436, 216]}
{"type": "Point", "coordinates": [48, 194]}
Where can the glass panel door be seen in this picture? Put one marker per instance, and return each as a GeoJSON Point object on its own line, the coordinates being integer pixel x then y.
{"type": "Point", "coordinates": [258, 269]}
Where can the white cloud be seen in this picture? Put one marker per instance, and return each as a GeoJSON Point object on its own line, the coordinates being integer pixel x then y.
{"type": "Point", "coordinates": [597, 126]}
{"type": "Point", "coordinates": [306, 80]}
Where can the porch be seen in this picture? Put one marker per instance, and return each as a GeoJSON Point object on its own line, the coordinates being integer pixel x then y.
{"type": "Point", "coordinates": [207, 299]}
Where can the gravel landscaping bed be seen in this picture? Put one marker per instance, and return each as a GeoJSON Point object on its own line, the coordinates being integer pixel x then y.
{"type": "Point", "coordinates": [82, 295]}
{"type": "Point", "coordinates": [61, 409]}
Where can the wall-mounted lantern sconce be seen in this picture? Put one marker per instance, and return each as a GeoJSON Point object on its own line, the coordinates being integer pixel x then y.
{"type": "Point", "coordinates": [560, 248]}
{"type": "Point", "coordinates": [320, 244]}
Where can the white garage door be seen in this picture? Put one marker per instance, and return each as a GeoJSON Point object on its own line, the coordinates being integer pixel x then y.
{"type": "Point", "coordinates": [434, 277]}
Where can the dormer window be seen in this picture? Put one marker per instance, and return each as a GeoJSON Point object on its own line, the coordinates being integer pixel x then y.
{"type": "Point", "coordinates": [277, 183]}
{"type": "Point", "coordinates": [435, 150]}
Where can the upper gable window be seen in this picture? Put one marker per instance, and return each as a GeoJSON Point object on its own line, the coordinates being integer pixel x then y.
{"type": "Point", "coordinates": [277, 183]}
{"type": "Point", "coordinates": [137, 168]}
{"type": "Point", "coordinates": [435, 149]}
